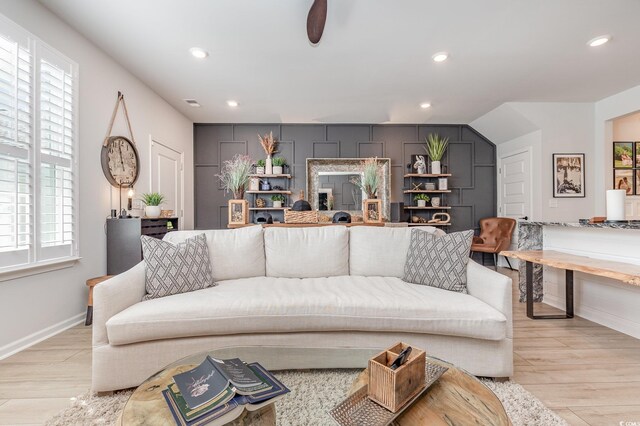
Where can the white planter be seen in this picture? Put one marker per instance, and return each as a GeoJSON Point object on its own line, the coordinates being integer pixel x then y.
{"type": "Point", "coordinates": [277, 204]}
{"type": "Point", "coordinates": [277, 170]}
{"type": "Point", "coordinates": [259, 170]}
{"type": "Point", "coordinates": [268, 169]}
{"type": "Point", "coordinates": [152, 211]}
{"type": "Point", "coordinates": [435, 167]}
{"type": "Point", "coordinates": [422, 203]}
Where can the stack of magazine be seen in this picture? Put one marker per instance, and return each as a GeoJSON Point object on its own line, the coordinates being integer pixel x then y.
{"type": "Point", "coordinates": [218, 391]}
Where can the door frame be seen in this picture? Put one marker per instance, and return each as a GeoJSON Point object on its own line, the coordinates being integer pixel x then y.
{"type": "Point", "coordinates": [529, 151]}
{"type": "Point", "coordinates": [153, 141]}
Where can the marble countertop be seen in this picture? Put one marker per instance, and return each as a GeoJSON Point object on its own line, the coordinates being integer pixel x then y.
{"type": "Point", "coordinates": [586, 225]}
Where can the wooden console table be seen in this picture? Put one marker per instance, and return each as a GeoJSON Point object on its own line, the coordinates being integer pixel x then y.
{"type": "Point", "coordinates": [626, 272]}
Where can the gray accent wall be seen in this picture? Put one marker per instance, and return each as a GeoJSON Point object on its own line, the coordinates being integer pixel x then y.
{"type": "Point", "coordinates": [471, 158]}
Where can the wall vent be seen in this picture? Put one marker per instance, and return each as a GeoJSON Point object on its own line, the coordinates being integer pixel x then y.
{"type": "Point", "coordinates": [192, 102]}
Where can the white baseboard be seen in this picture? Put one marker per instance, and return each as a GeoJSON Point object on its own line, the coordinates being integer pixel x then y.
{"type": "Point", "coordinates": [39, 336]}
{"type": "Point", "coordinates": [622, 325]}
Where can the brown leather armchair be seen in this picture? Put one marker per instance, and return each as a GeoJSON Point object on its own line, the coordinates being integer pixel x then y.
{"type": "Point", "coordinates": [495, 236]}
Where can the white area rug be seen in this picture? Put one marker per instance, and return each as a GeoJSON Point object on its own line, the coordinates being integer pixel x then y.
{"type": "Point", "coordinates": [312, 396]}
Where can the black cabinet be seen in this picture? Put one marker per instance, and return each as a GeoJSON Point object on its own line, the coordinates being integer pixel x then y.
{"type": "Point", "coordinates": [124, 250]}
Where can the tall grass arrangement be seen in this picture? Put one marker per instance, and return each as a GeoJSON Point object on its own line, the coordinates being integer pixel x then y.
{"type": "Point", "coordinates": [369, 182]}
{"type": "Point", "coordinates": [436, 146]}
{"type": "Point", "coordinates": [269, 143]}
{"type": "Point", "coordinates": [235, 175]}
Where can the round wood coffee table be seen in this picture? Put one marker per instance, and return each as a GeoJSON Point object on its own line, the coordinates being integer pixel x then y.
{"type": "Point", "coordinates": [456, 398]}
{"type": "Point", "coordinates": [147, 406]}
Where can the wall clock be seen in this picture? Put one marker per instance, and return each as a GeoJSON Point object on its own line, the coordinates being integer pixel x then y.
{"type": "Point", "coordinates": [120, 161]}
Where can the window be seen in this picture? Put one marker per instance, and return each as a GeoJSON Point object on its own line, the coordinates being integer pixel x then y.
{"type": "Point", "coordinates": [38, 171]}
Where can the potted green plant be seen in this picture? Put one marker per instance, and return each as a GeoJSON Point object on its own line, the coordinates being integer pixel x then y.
{"type": "Point", "coordinates": [235, 175]}
{"type": "Point", "coordinates": [260, 167]}
{"type": "Point", "coordinates": [278, 164]}
{"type": "Point", "coordinates": [436, 146]}
{"type": "Point", "coordinates": [369, 181]}
{"type": "Point", "coordinates": [421, 199]}
{"type": "Point", "coordinates": [152, 204]}
{"type": "Point", "coordinates": [277, 199]}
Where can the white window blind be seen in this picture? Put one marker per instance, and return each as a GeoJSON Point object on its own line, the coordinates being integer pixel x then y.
{"type": "Point", "coordinates": [37, 151]}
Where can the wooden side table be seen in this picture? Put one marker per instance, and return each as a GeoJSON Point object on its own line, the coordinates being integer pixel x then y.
{"type": "Point", "coordinates": [91, 283]}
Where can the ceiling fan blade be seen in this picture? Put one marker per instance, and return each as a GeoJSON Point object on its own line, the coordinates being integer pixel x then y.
{"type": "Point", "coordinates": [316, 20]}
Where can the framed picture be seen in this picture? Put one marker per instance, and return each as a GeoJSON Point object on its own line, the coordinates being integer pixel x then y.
{"type": "Point", "coordinates": [623, 179]}
{"type": "Point", "coordinates": [637, 154]}
{"type": "Point", "coordinates": [568, 176]}
{"type": "Point", "coordinates": [623, 155]}
{"type": "Point", "coordinates": [637, 182]}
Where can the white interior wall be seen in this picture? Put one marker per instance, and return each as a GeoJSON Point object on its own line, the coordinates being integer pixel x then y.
{"type": "Point", "coordinates": [37, 306]}
{"type": "Point", "coordinates": [551, 128]}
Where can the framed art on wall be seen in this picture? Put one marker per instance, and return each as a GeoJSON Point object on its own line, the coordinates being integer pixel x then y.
{"type": "Point", "coordinates": [623, 179]}
{"type": "Point", "coordinates": [568, 176]}
{"type": "Point", "coordinates": [622, 155]}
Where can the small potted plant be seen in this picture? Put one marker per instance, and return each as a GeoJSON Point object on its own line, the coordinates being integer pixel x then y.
{"type": "Point", "coordinates": [260, 167]}
{"type": "Point", "coordinates": [152, 202]}
{"type": "Point", "coordinates": [277, 199]}
{"type": "Point", "coordinates": [235, 175]}
{"type": "Point", "coordinates": [436, 146]}
{"type": "Point", "coordinates": [421, 199]}
{"type": "Point", "coordinates": [369, 181]}
{"type": "Point", "coordinates": [278, 165]}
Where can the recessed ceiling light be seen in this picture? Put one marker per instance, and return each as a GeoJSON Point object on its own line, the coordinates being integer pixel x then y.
{"type": "Point", "coordinates": [198, 52]}
{"type": "Point", "coordinates": [599, 41]}
{"type": "Point", "coordinates": [193, 103]}
{"type": "Point", "coordinates": [440, 57]}
{"type": "Point", "coordinates": [425, 105]}
{"type": "Point", "coordinates": [232, 104]}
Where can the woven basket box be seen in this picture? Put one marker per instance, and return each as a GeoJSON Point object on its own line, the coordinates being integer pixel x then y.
{"type": "Point", "coordinates": [394, 388]}
{"type": "Point", "coordinates": [308, 216]}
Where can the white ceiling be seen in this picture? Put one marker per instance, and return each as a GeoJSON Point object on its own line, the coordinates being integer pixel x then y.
{"type": "Point", "coordinates": [373, 63]}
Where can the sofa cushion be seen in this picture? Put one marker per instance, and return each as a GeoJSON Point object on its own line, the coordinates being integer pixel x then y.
{"type": "Point", "coordinates": [175, 268]}
{"type": "Point", "coordinates": [307, 252]}
{"type": "Point", "coordinates": [234, 253]}
{"type": "Point", "coordinates": [380, 251]}
{"type": "Point", "coordinates": [289, 305]}
{"type": "Point", "coordinates": [439, 261]}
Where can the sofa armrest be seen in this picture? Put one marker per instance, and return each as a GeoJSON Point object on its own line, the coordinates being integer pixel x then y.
{"type": "Point", "coordinates": [492, 288]}
{"type": "Point", "coordinates": [113, 296]}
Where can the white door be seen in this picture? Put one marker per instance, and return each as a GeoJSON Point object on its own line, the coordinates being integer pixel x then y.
{"type": "Point", "coordinates": [166, 176]}
{"type": "Point", "coordinates": [514, 191]}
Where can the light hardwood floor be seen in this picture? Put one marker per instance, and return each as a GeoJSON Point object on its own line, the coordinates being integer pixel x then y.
{"type": "Point", "coordinates": [587, 373]}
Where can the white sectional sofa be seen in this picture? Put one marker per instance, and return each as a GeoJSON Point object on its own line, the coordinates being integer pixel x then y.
{"type": "Point", "coordinates": [320, 297]}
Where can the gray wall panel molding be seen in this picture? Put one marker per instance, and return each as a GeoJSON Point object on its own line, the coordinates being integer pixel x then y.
{"type": "Point", "coordinates": [473, 199]}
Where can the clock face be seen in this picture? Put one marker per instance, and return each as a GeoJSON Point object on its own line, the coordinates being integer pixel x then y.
{"type": "Point", "coordinates": [120, 161]}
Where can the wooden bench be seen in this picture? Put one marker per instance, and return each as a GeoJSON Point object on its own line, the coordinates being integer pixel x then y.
{"type": "Point", "coordinates": [626, 272]}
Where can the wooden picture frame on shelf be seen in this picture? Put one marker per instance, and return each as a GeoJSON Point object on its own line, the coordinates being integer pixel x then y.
{"type": "Point", "coordinates": [238, 212]}
{"type": "Point", "coordinates": [372, 211]}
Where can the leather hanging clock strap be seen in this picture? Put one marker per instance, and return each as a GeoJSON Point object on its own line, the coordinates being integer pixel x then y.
{"type": "Point", "coordinates": [113, 119]}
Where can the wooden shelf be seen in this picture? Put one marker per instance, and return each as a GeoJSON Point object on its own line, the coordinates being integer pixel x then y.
{"type": "Point", "coordinates": [427, 208]}
{"type": "Point", "coordinates": [269, 208]}
{"type": "Point", "coordinates": [426, 191]}
{"type": "Point", "coordinates": [286, 176]}
{"type": "Point", "coordinates": [426, 175]}
{"type": "Point", "coordinates": [268, 192]}
{"type": "Point", "coordinates": [430, 224]}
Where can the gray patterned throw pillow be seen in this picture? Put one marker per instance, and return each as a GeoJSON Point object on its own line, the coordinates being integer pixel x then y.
{"type": "Point", "coordinates": [176, 268]}
{"type": "Point", "coordinates": [438, 261]}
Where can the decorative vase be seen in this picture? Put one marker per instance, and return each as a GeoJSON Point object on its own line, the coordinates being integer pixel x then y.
{"type": "Point", "coordinates": [443, 184]}
{"type": "Point", "coordinates": [277, 170]}
{"type": "Point", "coordinates": [435, 167]}
{"type": "Point", "coordinates": [435, 201]}
{"type": "Point", "coordinates": [152, 211]}
{"type": "Point", "coordinates": [254, 184]}
{"type": "Point", "coordinates": [259, 170]}
{"type": "Point", "coordinates": [265, 186]}
{"type": "Point", "coordinates": [422, 203]}
{"type": "Point", "coordinates": [238, 194]}
{"type": "Point", "coordinates": [277, 204]}
{"type": "Point", "coordinates": [268, 168]}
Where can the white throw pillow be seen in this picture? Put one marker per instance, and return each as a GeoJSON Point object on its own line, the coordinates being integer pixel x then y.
{"type": "Point", "coordinates": [380, 251]}
{"type": "Point", "coordinates": [307, 252]}
{"type": "Point", "coordinates": [234, 253]}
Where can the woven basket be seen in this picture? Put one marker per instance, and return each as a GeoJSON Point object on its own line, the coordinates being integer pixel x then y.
{"type": "Point", "coordinates": [309, 216]}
